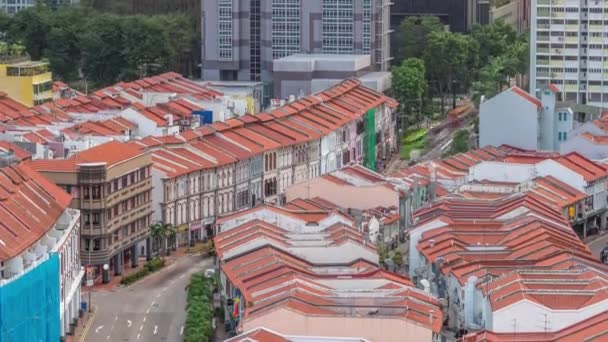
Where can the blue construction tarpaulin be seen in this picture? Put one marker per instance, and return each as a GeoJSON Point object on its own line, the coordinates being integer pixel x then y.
{"type": "Point", "coordinates": [29, 305]}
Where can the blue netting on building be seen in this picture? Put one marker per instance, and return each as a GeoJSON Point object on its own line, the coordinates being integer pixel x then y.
{"type": "Point", "coordinates": [29, 306]}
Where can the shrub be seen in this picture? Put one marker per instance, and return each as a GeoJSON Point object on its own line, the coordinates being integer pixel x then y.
{"type": "Point", "coordinates": [151, 266]}
{"type": "Point", "coordinates": [199, 310]}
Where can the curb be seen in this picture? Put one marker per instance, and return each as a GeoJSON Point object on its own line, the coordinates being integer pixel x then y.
{"type": "Point", "coordinates": [88, 324]}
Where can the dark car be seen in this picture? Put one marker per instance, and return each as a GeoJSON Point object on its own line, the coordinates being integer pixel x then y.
{"type": "Point", "coordinates": [604, 255]}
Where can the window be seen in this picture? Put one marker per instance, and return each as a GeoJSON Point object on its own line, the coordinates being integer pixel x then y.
{"type": "Point", "coordinates": [116, 235]}
{"type": "Point", "coordinates": [87, 244]}
{"type": "Point", "coordinates": [96, 218]}
{"type": "Point", "coordinates": [559, 116]}
{"type": "Point", "coordinates": [115, 210]}
{"type": "Point", "coordinates": [124, 181]}
{"type": "Point", "coordinates": [337, 27]}
{"type": "Point", "coordinates": [565, 136]}
{"type": "Point", "coordinates": [96, 244]}
{"type": "Point", "coordinates": [86, 218]}
{"type": "Point", "coordinates": [224, 36]}
{"type": "Point", "coordinates": [367, 26]}
{"type": "Point", "coordinates": [142, 173]}
{"type": "Point", "coordinates": [86, 194]}
{"type": "Point", "coordinates": [285, 28]}
{"type": "Point", "coordinates": [96, 192]}
{"type": "Point", "coordinates": [132, 177]}
{"type": "Point", "coordinates": [115, 184]}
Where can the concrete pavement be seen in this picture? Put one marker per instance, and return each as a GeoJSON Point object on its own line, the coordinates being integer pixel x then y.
{"type": "Point", "coordinates": [150, 310]}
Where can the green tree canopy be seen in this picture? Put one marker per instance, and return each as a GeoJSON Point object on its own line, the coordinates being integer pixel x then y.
{"type": "Point", "coordinates": [412, 36]}
{"type": "Point", "coordinates": [102, 48]}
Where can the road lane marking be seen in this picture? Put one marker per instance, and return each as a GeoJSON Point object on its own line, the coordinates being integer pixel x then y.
{"type": "Point", "coordinates": [145, 318]}
{"type": "Point", "coordinates": [164, 289]}
{"type": "Point", "coordinates": [98, 328]}
{"type": "Point", "coordinates": [155, 329]}
{"type": "Point", "coordinates": [153, 303]}
{"type": "Point", "coordinates": [115, 318]}
{"type": "Point", "coordinates": [181, 331]}
{"type": "Point", "coordinates": [158, 295]}
{"type": "Point", "coordinates": [141, 327]}
{"type": "Point", "coordinates": [138, 336]}
{"type": "Point", "coordinates": [147, 311]}
{"type": "Point", "coordinates": [107, 338]}
{"type": "Point", "coordinates": [129, 323]}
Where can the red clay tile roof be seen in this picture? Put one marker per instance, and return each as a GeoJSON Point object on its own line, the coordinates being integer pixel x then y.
{"type": "Point", "coordinates": [592, 329]}
{"type": "Point", "coordinates": [526, 96]}
{"type": "Point", "coordinates": [111, 153]}
{"type": "Point", "coordinates": [20, 153]}
{"type": "Point", "coordinates": [29, 206]}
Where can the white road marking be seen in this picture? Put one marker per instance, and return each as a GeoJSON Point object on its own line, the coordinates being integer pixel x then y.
{"type": "Point", "coordinates": [138, 336]}
{"type": "Point", "coordinates": [147, 311]}
{"type": "Point", "coordinates": [115, 318]}
{"type": "Point", "coordinates": [141, 327]}
{"type": "Point", "coordinates": [153, 303]}
{"type": "Point", "coordinates": [145, 318]}
{"type": "Point", "coordinates": [107, 338]}
{"type": "Point", "coordinates": [155, 329]}
{"type": "Point", "coordinates": [98, 328]}
{"type": "Point", "coordinates": [181, 331]}
{"type": "Point", "coordinates": [164, 289]}
{"type": "Point", "coordinates": [158, 295]}
{"type": "Point", "coordinates": [129, 323]}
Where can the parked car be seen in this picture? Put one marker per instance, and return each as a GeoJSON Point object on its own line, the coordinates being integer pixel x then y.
{"type": "Point", "coordinates": [604, 255]}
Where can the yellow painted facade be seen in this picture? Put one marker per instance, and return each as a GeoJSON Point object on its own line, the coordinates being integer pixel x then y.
{"type": "Point", "coordinates": [27, 82]}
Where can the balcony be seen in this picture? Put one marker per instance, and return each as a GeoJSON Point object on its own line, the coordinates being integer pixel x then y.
{"type": "Point", "coordinates": [556, 63]}
{"type": "Point", "coordinates": [125, 193]}
{"type": "Point", "coordinates": [571, 87]}
{"type": "Point", "coordinates": [572, 27]}
{"type": "Point", "coordinates": [572, 40]}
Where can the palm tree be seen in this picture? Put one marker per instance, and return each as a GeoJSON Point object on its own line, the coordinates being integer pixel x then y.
{"type": "Point", "coordinates": [157, 230]}
{"type": "Point", "coordinates": [169, 233]}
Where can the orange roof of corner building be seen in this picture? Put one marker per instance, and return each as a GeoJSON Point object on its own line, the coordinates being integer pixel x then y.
{"type": "Point", "coordinates": [29, 206]}
{"type": "Point", "coordinates": [112, 153]}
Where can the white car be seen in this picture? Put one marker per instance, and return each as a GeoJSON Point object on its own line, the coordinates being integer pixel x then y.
{"type": "Point", "coordinates": [209, 272]}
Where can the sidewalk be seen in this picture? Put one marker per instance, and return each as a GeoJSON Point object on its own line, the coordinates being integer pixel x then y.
{"type": "Point", "coordinates": [83, 326]}
{"type": "Point", "coordinates": [115, 280]}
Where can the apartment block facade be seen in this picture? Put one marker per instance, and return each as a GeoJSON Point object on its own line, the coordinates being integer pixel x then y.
{"type": "Point", "coordinates": [111, 185]}
{"type": "Point", "coordinates": [242, 38]}
{"type": "Point", "coordinates": [569, 48]}
{"type": "Point", "coordinates": [13, 6]}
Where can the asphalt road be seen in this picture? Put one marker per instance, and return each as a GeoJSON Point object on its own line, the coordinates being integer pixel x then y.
{"type": "Point", "coordinates": [598, 244]}
{"type": "Point", "coordinates": [151, 310]}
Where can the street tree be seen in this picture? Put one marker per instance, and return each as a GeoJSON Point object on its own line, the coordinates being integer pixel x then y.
{"type": "Point", "coordinates": [447, 62]}
{"type": "Point", "coordinates": [409, 86]}
{"type": "Point", "coordinates": [413, 34]}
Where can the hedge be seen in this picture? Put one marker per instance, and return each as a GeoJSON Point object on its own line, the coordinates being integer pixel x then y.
{"type": "Point", "coordinates": [151, 266]}
{"type": "Point", "coordinates": [199, 309]}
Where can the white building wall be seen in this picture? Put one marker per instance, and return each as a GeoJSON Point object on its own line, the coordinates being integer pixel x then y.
{"type": "Point", "coordinates": [508, 119]}
{"type": "Point", "coordinates": [416, 259]}
{"type": "Point", "coordinates": [526, 316]}
{"type": "Point", "coordinates": [585, 147]}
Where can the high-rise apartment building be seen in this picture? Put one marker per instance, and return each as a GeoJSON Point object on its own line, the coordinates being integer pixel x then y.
{"type": "Point", "coordinates": [569, 48]}
{"type": "Point", "coordinates": [13, 6]}
{"type": "Point", "coordinates": [242, 38]}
